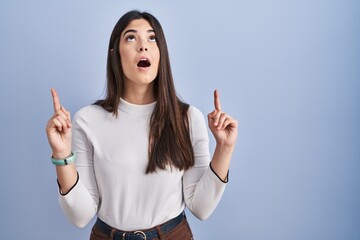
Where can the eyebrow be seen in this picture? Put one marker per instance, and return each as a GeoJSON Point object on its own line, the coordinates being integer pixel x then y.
{"type": "Point", "coordinates": [135, 31]}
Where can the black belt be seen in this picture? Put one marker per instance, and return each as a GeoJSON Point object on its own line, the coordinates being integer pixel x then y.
{"type": "Point", "coordinates": [140, 235]}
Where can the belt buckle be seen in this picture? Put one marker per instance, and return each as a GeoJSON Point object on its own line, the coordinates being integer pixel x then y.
{"type": "Point", "coordinates": [141, 233]}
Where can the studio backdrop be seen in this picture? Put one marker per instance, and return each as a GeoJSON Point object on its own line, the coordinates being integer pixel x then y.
{"type": "Point", "coordinates": [289, 71]}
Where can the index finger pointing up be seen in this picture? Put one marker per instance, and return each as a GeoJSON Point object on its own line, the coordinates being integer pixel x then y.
{"type": "Point", "coordinates": [217, 100]}
{"type": "Point", "coordinates": [56, 100]}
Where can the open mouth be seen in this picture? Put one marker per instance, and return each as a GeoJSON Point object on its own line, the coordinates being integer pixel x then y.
{"type": "Point", "coordinates": [144, 63]}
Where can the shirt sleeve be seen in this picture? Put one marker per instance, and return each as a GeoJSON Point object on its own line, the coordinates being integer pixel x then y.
{"type": "Point", "coordinates": [81, 203]}
{"type": "Point", "coordinates": [201, 186]}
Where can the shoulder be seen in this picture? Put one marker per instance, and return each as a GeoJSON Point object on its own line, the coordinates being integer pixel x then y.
{"type": "Point", "coordinates": [87, 113]}
{"type": "Point", "coordinates": [88, 110]}
{"type": "Point", "coordinates": [195, 115]}
{"type": "Point", "coordinates": [196, 120]}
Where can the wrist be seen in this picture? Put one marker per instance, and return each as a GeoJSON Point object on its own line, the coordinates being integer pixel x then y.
{"type": "Point", "coordinates": [224, 148]}
{"type": "Point", "coordinates": [63, 154]}
{"type": "Point", "coordinates": [64, 161]}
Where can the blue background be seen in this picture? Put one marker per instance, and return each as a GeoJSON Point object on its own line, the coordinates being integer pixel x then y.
{"type": "Point", "coordinates": [289, 71]}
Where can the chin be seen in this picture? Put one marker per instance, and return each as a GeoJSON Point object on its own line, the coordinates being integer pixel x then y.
{"type": "Point", "coordinates": [142, 79]}
{"type": "Point", "coordinates": [146, 80]}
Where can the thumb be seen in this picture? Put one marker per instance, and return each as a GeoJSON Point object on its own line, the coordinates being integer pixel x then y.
{"type": "Point", "coordinates": [212, 114]}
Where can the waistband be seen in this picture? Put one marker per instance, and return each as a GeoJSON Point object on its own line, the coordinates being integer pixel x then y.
{"type": "Point", "coordinates": [147, 234]}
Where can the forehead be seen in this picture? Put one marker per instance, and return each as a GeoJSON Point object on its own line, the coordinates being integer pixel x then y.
{"type": "Point", "coordinates": [139, 25]}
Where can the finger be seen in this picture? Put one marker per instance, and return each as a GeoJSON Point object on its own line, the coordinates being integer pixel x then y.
{"type": "Point", "coordinates": [222, 119]}
{"type": "Point", "coordinates": [216, 118]}
{"type": "Point", "coordinates": [56, 100]}
{"type": "Point", "coordinates": [226, 123]}
{"type": "Point", "coordinates": [212, 114]}
{"type": "Point", "coordinates": [63, 115]}
{"type": "Point", "coordinates": [67, 116]}
{"type": "Point", "coordinates": [65, 111]}
{"type": "Point", "coordinates": [217, 100]}
{"type": "Point", "coordinates": [64, 124]}
{"type": "Point", "coordinates": [229, 122]}
{"type": "Point", "coordinates": [57, 124]}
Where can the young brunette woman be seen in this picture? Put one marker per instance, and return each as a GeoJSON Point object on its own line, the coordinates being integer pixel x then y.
{"type": "Point", "coordinates": [138, 157]}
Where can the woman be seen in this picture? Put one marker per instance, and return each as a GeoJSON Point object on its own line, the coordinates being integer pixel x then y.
{"type": "Point", "coordinates": [141, 153]}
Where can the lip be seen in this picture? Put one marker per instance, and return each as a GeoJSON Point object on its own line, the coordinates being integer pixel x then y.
{"type": "Point", "coordinates": [143, 58]}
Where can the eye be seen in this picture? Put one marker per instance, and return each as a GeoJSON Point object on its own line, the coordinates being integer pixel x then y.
{"type": "Point", "coordinates": [152, 39]}
{"type": "Point", "coordinates": [130, 38]}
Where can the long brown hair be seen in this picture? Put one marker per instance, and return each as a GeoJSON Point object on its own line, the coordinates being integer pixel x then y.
{"type": "Point", "coordinates": [169, 136]}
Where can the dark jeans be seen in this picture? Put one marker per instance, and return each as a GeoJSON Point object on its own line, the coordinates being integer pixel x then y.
{"type": "Point", "coordinates": [180, 232]}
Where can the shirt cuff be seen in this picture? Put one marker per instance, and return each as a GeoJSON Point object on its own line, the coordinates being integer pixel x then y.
{"type": "Point", "coordinates": [64, 194]}
{"type": "Point", "coordinates": [227, 175]}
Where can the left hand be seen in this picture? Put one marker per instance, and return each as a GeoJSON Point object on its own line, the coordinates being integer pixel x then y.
{"type": "Point", "coordinates": [223, 126]}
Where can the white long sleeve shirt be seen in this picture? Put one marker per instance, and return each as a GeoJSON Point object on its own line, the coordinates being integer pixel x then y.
{"type": "Point", "coordinates": [112, 156]}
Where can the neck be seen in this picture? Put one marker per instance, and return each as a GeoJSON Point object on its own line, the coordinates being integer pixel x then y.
{"type": "Point", "coordinates": [140, 94]}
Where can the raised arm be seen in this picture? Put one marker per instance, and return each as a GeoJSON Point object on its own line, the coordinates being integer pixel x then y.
{"type": "Point", "coordinates": [58, 130]}
{"type": "Point", "coordinates": [225, 129]}
{"type": "Point", "coordinates": [203, 186]}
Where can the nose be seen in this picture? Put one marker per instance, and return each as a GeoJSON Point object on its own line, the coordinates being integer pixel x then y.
{"type": "Point", "coordinates": [142, 46]}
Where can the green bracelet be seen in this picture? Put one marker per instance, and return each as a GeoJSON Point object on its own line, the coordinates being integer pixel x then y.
{"type": "Point", "coordinates": [64, 161]}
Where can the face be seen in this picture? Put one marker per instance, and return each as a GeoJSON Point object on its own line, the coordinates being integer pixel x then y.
{"type": "Point", "coordinates": [139, 53]}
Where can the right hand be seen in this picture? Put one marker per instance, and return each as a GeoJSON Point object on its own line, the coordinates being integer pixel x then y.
{"type": "Point", "coordinates": [58, 129]}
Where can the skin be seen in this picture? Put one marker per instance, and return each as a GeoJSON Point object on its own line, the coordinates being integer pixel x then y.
{"type": "Point", "coordinates": [139, 90]}
{"type": "Point", "coordinates": [58, 130]}
{"type": "Point", "coordinates": [138, 41]}
{"type": "Point", "coordinates": [225, 129]}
